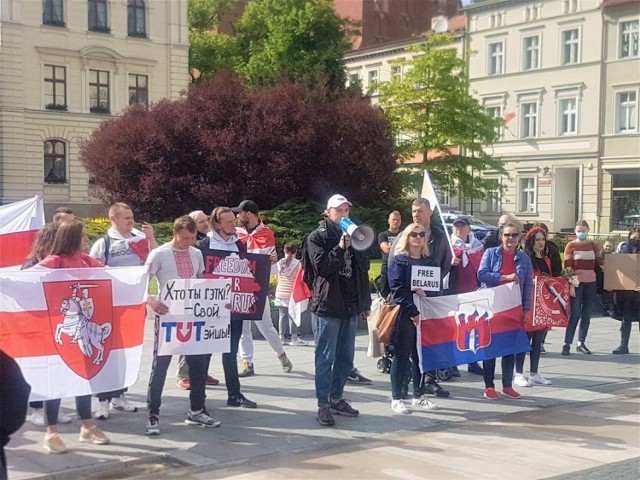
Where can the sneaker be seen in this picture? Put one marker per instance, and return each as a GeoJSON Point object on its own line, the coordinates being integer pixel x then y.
{"type": "Point", "coordinates": [103, 411]}
{"type": "Point", "coordinates": [287, 366]}
{"type": "Point", "coordinates": [490, 393]}
{"type": "Point", "coordinates": [618, 351]}
{"type": "Point", "coordinates": [542, 350]}
{"type": "Point", "coordinates": [37, 417]}
{"type": "Point", "coordinates": [566, 350]}
{"type": "Point", "coordinates": [121, 403]}
{"type": "Point", "coordinates": [398, 407]}
{"type": "Point", "coordinates": [93, 435]}
{"type": "Point", "coordinates": [324, 416]}
{"type": "Point", "coordinates": [54, 444]}
{"type": "Point", "coordinates": [212, 382]}
{"type": "Point", "coordinates": [511, 393]}
{"type": "Point", "coordinates": [455, 373]}
{"type": "Point", "coordinates": [64, 418]}
{"type": "Point", "coordinates": [241, 401]}
{"type": "Point", "coordinates": [356, 377]}
{"type": "Point", "coordinates": [184, 383]}
{"type": "Point", "coordinates": [153, 425]}
{"type": "Point", "coordinates": [298, 342]}
{"type": "Point", "coordinates": [423, 402]}
{"type": "Point", "coordinates": [476, 369]}
{"type": "Point", "coordinates": [246, 370]}
{"type": "Point", "coordinates": [342, 407]}
{"type": "Point", "coordinates": [538, 379]}
{"type": "Point", "coordinates": [582, 348]}
{"type": "Point", "coordinates": [522, 381]}
{"type": "Point", "coordinates": [202, 419]}
{"type": "Point", "coordinates": [432, 388]}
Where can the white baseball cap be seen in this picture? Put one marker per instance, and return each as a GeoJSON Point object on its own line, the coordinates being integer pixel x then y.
{"type": "Point", "coordinates": [337, 200]}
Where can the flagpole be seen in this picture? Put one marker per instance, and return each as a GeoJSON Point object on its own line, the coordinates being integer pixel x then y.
{"type": "Point", "coordinates": [429, 193]}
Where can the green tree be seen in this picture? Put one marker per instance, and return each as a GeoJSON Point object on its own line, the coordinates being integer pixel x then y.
{"type": "Point", "coordinates": [211, 52]}
{"type": "Point", "coordinates": [205, 15]}
{"type": "Point", "coordinates": [433, 114]}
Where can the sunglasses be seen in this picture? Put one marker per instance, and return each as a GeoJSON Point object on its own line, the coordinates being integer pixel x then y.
{"type": "Point", "coordinates": [511, 235]}
{"type": "Point", "coordinates": [418, 234]}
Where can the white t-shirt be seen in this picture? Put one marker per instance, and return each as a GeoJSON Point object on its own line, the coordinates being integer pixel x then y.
{"type": "Point", "coordinates": [167, 263]}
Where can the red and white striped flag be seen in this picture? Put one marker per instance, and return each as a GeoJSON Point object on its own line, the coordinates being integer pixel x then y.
{"type": "Point", "coordinates": [74, 331]}
{"type": "Point", "coordinates": [300, 295]}
{"type": "Point", "coordinates": [19, 225]}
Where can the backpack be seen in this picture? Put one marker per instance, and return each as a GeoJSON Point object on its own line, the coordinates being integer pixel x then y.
{"type": "Point", "coordinates": [308, 276]}
{"type": "Point", "coordinates": [107, 246]}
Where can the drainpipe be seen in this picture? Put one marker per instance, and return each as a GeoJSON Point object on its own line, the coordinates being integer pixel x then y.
{"type": "Point", "coordinates": [601, 123]}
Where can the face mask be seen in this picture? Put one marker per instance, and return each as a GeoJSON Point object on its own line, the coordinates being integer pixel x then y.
{"type": "Point", "coordinates": [634, 243]}
{"type": "Point", "coordinates": [582, 235]}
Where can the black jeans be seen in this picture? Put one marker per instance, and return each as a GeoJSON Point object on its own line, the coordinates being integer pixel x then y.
{"type": "Point", "coordinates": [404, 348]}
{"type": "Point", "coordinates": [198, 365]}
{"type": "Point", "coordinates": [52, 408]}
{"type": "Point", "coordinates": [230, 362]}
{"type": "Point", "coordinates": [489, 367]}
{"type": "Point", "coordinates": [536, 338]}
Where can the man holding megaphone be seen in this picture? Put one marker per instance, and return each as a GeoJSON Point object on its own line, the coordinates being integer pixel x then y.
{"type": "Point", "coordinates": [337, 259]}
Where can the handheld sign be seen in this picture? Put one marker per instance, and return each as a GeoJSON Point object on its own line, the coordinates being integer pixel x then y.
{"type": "Point", "coordinates": [198, 321]}
{"type": "Point", "coordinates": [425, 278]}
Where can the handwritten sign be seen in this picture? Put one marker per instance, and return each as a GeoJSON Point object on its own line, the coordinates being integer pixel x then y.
{"type": "Point", "coordinates": [425, 278]}
{"type": "Point", "coordinates": [198, 321]}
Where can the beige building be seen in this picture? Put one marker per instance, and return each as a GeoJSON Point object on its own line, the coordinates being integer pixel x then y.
{"type": "Point", "coordinates": [66, 66]}
{"type": "Point", "coordinates": [571, 142]}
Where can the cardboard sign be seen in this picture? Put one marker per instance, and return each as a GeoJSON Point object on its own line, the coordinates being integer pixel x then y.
{"type": "Point", "coordinates": [621, 271]}
{"type": "Point", "coordinates": [198, 321]}
{"type": "Point", "coordinates": [425, 278]}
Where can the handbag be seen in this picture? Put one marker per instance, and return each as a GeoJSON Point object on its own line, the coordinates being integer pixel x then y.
{"type": "Point", "coordinates": [387, 322]}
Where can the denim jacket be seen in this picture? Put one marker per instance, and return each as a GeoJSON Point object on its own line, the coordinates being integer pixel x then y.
{"type": "Point", "coordinates": [489, 272]}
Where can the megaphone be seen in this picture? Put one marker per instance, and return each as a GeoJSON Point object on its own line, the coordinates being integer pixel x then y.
{"type": "Point", "coordinates": [362, 237]}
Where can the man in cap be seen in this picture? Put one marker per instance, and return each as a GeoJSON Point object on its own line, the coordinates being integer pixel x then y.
{"type": "Point", "coordinates": [340, 296]}
{"type": "Point", "coordinates": [259, 239]}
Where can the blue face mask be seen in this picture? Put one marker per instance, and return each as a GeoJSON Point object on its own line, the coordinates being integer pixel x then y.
{"type": "Point", "coordinates": [582, 235]}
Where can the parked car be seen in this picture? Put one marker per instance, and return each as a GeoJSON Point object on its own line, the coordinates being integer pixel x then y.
{"type": "Point", "coordinates": [479, 227]}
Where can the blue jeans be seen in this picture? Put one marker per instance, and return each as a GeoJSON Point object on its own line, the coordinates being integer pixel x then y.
{"type": "Point", "coordinates": [335, 347]}
{"type": "Point", "coordinates": [580, 312]}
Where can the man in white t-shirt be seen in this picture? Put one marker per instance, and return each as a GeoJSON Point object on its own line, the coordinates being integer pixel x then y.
{"type": "Point", "coordinates": [176, 259]}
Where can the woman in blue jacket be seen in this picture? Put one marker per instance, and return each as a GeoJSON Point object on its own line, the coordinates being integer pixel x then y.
{"type": "Point", "coordinates": [411, 249]}
{"type": "Point", "coordinates": [501, 265]}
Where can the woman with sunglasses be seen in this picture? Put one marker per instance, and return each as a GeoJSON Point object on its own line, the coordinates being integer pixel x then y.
{"type": "Point", "coordinates": [411, 250]}
{"type": "Point", "coordinates": [501, 265]}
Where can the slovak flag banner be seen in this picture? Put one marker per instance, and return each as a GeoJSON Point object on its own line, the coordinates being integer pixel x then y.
{"type": "Point", "coordinates": [470, 327]}
{"type": "Point", "coordinates": [19, 225]}
{"type": "Point", "coordinates": [74, 331]}
{"type": "Point", "coordinates": [300, 295]}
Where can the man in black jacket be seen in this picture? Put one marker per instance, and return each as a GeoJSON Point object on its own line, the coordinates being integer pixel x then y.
{"type": "Point", "coordinates": [493, 239]}
{"type": "Point", "coordinates": [341, 295]}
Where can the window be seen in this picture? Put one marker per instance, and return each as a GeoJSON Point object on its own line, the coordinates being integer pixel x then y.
{"type": "Point", "coordinates": [373, 81]}
{"type": "Point", "coordinates": [99, 91]}
{"type": "Point", "coordinates": [629, 39]}
{"type": "Point", "coordinates": [531, 53]}
{"type": "Point", "coordinates": [354, 81]}
{"type": "Point", "coordinates": [55, 87]}
{"type": "Point", "coordinates": [136, 21]}
{"type": "Point", "coordinates": [570, 6]}
{"type": "Point", "coordinates": [495, 111]}
{"type": "Point", "coordinates": [55, 162]}
{"type": "Point", "coordinates": [98, 16]}
{"type": "Point", "coordinates": [527, 197]}
{"type": "Point", "coordinates": [491, 204]}
{"type": "Point", "coordinates": [625, 193]}
{"type": "Point", "coordinates": [52, 13]}
{"type": "Point", "coordinates": [396, 71]}
{"type": "Point", "coordinates": [529, 120]}
{"type": "Point", "coordinates": [570, 46]}
{"type": "Point", "coordinates": [496, 58]}
{"type": "Point", "coordinates": [568, 116]}
{"type": "Point", "coordinates": [627, 112]}
{"type": "Point", "coordinates": [138, 90]}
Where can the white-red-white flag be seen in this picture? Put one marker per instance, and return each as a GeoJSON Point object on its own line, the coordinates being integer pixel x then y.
{"type": "Point", "coordinates": [74, 331]}
{"type": "Point", "coordinates": [19, 225]}
{"type": "Point", "coordinates": [300, 294]}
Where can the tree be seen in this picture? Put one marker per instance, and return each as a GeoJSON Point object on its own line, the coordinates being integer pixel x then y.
{"type": "Point", "coordinates": [224, 143]}
{"type": "Point", "coordinates": [434, 115]}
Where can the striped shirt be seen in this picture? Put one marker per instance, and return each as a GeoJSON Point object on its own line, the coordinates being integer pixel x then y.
{"type": "Point", "coordinates": [582, 258]}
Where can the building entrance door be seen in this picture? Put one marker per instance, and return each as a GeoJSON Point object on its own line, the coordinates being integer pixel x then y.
{"type": "Point", "coordinates": [565, 198]}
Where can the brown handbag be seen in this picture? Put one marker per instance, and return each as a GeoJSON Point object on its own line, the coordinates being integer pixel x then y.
{"type": "Point", "coordinates": [387, 322]}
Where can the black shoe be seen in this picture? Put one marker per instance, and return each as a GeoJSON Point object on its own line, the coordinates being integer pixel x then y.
{"type": "Point", "coordinates": [432, 388]}
{"type": "Point", "coordinates": [621, 350]}
{"type": "Point", "coordinates": [241, 401]}
{"type": "Point", "coordinates": [566, 350]}
{"type": "Point", "coordinates": [542, 350]}
{"type": "Point", "coordinates": [356, 377]}
{"type": "Point", "coordinates": [324, 416]}
{"type": "Point", "coordinates": [582, 348]}
{"type": "Point", "coordinates": [476, 369]}
{"type": "Point", "coordinates": [455, 372]}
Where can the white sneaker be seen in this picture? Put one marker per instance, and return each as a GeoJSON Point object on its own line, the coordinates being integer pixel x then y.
{"type": "Point", "coordinates": [298, 342]}
{"type": "Point", "coordinates": [121, 403]}
{"type": "Point", "coordinates": [63, 418]}
{"type": "Point", "coordinates": [37, 417]}
{"type": "Point", "coordinates": [423, 402]}
{"type": "Point", "coordinates": [538, 379]}
{"type": "Point", "coordinates": [522, 381]}
{"type": "Point", "coordinates": [398, 407]}
{"type": "Point", "coordinates": [103, 411]}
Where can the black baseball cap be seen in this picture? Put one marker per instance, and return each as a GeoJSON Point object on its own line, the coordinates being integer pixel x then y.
{"type": "Point", "coordinates": [464, 220]}
{"type": "Point", "coordinates": [246, 206]}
